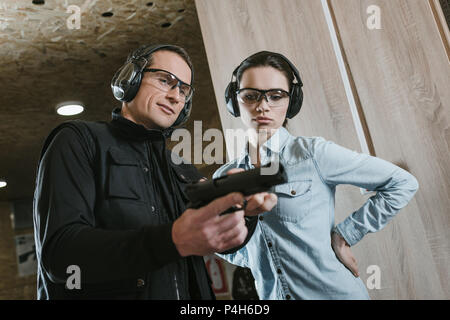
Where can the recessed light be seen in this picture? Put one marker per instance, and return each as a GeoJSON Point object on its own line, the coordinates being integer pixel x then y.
{"type": "Point", "coordinates": [107, 14]}
{"type": "Point", "coordinates": [166, 25]}
{"type": "Point", "coordinates": [69, 109]}
{"type": "Point", "coordinates": [3, 183]}
{"type": "Point", "coordinates": [38, 2]}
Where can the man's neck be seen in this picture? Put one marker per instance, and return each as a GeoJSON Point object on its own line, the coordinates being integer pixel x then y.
{"type": "Point", "coordinates": [127, 114]}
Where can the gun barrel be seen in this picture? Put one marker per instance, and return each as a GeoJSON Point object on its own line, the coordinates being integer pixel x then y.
{"type": "Point", "coordinates": [248, 182]}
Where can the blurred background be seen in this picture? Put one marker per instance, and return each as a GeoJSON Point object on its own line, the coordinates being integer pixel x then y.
{"type": "Point", "coordinates": [376, 77]}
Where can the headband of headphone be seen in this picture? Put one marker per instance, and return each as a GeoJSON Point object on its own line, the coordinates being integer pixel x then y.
{"type": "Point", "coordinates": [127, 80]}
{"type": "Point", "coordinates": [295, 95]}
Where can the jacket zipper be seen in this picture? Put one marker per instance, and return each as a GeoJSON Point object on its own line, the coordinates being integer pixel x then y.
{"type": "Point", "coordinates": [176, 286]}
{"type": "Point", "coordinates": [149, 161]}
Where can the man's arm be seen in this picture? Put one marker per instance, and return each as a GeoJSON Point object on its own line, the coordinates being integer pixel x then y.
{"type": "Point", "coordinates": [65, 222]}
{"type": "Point", "coordinates": [67, 235]}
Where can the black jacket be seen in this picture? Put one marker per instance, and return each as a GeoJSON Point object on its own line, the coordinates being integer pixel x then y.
{"type": "Point", "coordinates": [105, 200]}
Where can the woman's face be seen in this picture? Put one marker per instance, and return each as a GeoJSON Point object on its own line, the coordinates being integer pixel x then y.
{"type": "Point", "coordinates": [263, 115]}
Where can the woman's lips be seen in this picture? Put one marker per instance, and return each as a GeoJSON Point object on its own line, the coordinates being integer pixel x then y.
{"type": "Point", "coordinates": [263, 120]}
{"type": "Point", "coordinates": [166, 108]}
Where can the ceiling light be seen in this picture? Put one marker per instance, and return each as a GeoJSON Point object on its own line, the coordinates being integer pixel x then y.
{"type": "Point", "coordinates": [3, 183]}
{"type": "Point", "coordinates": [69, 109]}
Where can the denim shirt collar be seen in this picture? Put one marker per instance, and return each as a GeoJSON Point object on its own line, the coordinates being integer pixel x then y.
{"type": "Point", "coordinates": [275, 144]}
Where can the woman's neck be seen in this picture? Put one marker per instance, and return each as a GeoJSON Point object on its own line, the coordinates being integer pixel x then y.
{"type": "Point", "coordinates": [256, 139]}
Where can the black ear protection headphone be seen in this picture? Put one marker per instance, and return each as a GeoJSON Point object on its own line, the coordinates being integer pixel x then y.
{"type": "Point", "coordinates": [127, 80]}
{"type": "Point", "coordinates": [295, 95]}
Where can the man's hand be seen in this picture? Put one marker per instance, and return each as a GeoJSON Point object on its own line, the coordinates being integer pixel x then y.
{"type": "Point", "coordinates": [203, 231]}
{"type": "Point", "coordinates": [258, 202]}
{"type": "Point", "coordinates": [343, 253]}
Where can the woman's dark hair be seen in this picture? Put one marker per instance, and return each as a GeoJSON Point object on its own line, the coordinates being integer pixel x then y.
{"type": "Point", "coordinates": [266, 59]}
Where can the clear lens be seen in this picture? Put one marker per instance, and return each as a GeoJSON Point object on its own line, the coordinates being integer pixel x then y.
{"type": "Point", "coordinates": [277, 97]}
{"type": "Point", "coordinates": [249, 96]}
{"type": "Point", "coordinates": [166, 81]}
{"type": "Point", "coordinates": [274, 97]}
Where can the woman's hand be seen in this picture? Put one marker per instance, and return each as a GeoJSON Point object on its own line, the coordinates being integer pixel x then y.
{"type": "Point", "coordinates": [343, 253]}
{"type": "Point", "coordinates": [258, 202]}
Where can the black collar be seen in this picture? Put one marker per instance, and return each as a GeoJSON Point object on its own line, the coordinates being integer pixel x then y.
{"type": "Point", "coordinates": [134, 131]}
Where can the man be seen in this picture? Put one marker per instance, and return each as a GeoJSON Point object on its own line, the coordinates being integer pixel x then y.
{"type": "Point", "coordinates": [110, 210]}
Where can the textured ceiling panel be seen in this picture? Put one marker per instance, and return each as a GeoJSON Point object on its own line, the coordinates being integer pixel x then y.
{"type": "Point", "coordinates": [45, 60]}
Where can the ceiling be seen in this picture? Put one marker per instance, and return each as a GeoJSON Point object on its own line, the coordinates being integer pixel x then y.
{"type": "Point", "coordinates": [43, 63]}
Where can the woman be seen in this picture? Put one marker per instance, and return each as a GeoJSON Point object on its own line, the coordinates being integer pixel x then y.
{"type": "Point", "coordinates": [295, 251]}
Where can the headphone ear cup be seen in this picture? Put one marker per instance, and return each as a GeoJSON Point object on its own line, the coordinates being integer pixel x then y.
{"type": "Point", "coordinates": [296, 101]}
{"type": "Point", "coordinates": [130, 94]}
{"type": "Point", "coordinates": [126, 82]}
{"type": "Point", "coordinates": [231, 100]}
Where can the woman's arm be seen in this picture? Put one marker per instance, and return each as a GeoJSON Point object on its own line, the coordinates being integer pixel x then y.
{"type": "Point", "coordinates": [395, 187]}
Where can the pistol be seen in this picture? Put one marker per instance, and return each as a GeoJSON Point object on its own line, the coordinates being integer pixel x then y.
{"type": "Point", "coordinates": [247, 182]}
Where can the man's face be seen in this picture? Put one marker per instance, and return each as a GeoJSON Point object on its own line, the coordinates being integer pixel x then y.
{"type": "Point", "coordinates": [155, 108]}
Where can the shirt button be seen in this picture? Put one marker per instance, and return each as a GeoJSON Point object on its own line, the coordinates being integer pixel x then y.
{"type": "Point", "coordinates": [279, 271]}
{"type": "Point", "coordinates": [269, 244]}
{"type": "Point", "coordinates": [261, 218]}
{"type": "Point", "coordinates": [293, 192]}
{"type": "Point", "coordinates": [145, 169]}
{"type": "Point", "coordinates": [140, 283]}
{"type": "Point", "coordinates": [288, 297]}
{"type": "Point", "coordinates": [153, 209]}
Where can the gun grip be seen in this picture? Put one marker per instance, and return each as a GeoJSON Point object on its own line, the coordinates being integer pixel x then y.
{"type": "Point", "coordinates": [234, 209]}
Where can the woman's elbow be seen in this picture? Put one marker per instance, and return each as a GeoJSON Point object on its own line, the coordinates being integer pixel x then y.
{"type": "Point", "coordinates": [413, 184]}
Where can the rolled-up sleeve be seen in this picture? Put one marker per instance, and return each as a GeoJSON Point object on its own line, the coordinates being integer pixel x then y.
{"type": "Point", "coordinates": [394, 186]}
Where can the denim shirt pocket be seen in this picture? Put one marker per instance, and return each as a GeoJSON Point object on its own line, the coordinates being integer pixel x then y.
{"type": "Point", "coordinates": [293, 200]}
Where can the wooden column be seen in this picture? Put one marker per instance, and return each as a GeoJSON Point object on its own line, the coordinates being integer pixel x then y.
{"type": "Point", "coordinates": [398, 77]}
{"type": "Point", "coordinates": [402, 77]}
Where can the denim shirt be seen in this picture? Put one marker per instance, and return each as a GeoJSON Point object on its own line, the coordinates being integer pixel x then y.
{"type": "Point", "coordinates": [290, 253]}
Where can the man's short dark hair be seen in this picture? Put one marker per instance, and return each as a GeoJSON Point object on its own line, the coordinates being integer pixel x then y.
{"type": "Point", "coordinates": [178, 50]}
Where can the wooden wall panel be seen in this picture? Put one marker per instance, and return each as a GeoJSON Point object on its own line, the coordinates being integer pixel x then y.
{"type": "Point", "coordinates": [402, 76]}
{"type": "Point", "coordinates": [232, 30]}
{"type": "Point", "coordinates": [411, 250]}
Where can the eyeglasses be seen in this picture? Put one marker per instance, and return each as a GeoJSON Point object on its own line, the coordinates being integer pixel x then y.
{"type": "Point", "coordinates": [275, 97]}
{"type": "Point", "coordinates": [164, 80]}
